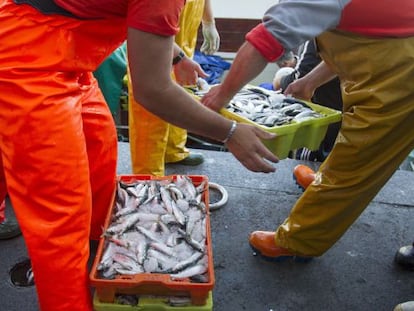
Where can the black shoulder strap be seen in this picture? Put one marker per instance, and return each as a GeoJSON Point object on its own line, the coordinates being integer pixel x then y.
{"type": "Point", "coordinates": [46, 7]}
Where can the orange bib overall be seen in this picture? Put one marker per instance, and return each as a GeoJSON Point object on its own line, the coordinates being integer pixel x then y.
{"type": "Point", "coordinates": [58, 143]}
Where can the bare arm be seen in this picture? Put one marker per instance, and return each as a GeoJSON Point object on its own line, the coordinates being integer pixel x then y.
{"type": "Point", "coordinates": [208, 16]}
{"type": "Point", "coordinates": [247, 65]}
{"type": "Point", "coordinates": [150, 65]}
{"type": "Point", "coordinates": [153, 87]}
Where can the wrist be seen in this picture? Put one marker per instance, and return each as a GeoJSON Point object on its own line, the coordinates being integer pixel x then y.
{"type": "Point", "coordinates": [208, 23]}
{"type": "Point", "coordinates": [178, 58]}
{"type": "Point", "coordinates": [231, 132]}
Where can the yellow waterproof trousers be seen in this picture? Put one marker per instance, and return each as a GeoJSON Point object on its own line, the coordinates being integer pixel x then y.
{"type": "Point", "coordinates": [377, 134]}
{"type": "Point", "coordinates": [153, 141]}
{"type": "Point", "coordinates": [58, 143]}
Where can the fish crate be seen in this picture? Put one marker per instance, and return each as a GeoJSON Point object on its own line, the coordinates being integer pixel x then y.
{"type": "Point", "coordinates": [307, 133]}
{"type": "Point", "coordinates": [155, 284]}
{"type": "Point", "coordinates": [151, 303]}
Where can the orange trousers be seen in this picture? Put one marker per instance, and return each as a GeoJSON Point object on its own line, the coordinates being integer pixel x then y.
{"type": "Point", "coordinates": [2, 211]}
{"type": "Point", "coordinates": [58, 143]}
{"type": "Point", "coordinates": [2, 194]}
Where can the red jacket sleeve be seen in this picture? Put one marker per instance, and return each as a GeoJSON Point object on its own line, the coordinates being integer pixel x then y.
{"type": "Point", "coordinates": [265, 43]}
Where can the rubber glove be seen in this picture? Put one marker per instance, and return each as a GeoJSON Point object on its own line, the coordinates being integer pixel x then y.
{"type": "Point", "coordinates": [211, 37]}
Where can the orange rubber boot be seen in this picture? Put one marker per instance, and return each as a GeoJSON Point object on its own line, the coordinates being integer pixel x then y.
{"type": "Point", "coordinates": [263, 243]}
{"type": "Point", "coordinates": [303, 176]}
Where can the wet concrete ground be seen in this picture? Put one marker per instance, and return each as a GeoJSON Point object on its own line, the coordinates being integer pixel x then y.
{"type": "Point", "coordinates": [356, 274]}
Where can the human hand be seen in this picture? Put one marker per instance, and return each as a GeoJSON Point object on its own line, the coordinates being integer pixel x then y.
{"type": "Point", "coordinates": [211, 42]}
{"type": "Point", "coordinates": [214, 99]}
{"type": "Point", "coordinates": [188, 71]}
{"type": "Point", "coordinates": [301, 89]}
{"type": "Point", "coordinates": [279, 75]}
{"type": "Point", "coordinates": [246, 145]}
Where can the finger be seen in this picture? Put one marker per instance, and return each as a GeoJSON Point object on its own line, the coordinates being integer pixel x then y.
{"type": "Point", "coordinates": [288, 91]}
{"type": "Point", "coordinates": [201, 73]}
{"type": "Point", "coordinates": [209, 105]}
{"type": "Point", "coordinates": [263, 151]}
{"type": "Point", "coordinates": [258, 164]}
{"type": "Point", "coordinates": [204, 46]}
{"type": "Point", "coordinates": [194, 78]}
{"type": "Point", "coordinates": [215, 46]}
{"type": "Point", "coordinates": [264, 134]}
{"type": "Point", "coordinates": [267, 168]}
{"type": "Point", "coordinates": [205, 102]}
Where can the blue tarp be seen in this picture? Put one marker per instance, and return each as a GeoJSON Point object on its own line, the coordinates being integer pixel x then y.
{"type": "Point", "coordinates": [213, 65]}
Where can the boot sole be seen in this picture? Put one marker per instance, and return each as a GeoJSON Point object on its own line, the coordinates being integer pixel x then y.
{"type": "Point", "coordinates": [296, 182]}
{"type": "Point", "coordinates": [282, 258]}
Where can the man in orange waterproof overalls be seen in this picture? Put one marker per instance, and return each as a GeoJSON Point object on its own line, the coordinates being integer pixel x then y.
{"type": "Point", "coordinates": [58, 140]}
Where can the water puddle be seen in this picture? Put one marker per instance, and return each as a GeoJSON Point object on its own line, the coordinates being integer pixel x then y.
{"type": "Point", "coordinates": [21, 274]}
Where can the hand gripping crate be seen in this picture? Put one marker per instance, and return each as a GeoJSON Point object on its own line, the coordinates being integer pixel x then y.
{"type": "Point", "coordinates": [157, 284]}
{"type": "Point", "coordinates": [307, 133]}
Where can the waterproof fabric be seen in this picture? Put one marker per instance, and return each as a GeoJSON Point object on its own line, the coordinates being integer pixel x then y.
{"type": "Point", "coordinates": [190, 20]}
{"type": "Point", "coordinates": [328, 95]}
{"type": "Point", "coordinates": [2, 211]}
{"type": "Point", "coordinates": [58, 143]}
{"type": "Point", "coordinates": [375, 137]}
{"type": "Point", "coordinates": [3, 190]}
{"type": "Point", "coordinates": [153, 141]}
{"type": "Point", "coordinates": [110, 76]}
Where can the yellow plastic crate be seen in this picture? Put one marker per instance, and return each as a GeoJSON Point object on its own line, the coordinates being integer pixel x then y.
{"type": "Point", "coordinates": [147, 303]}
{"type": "Point", "coordinates": [308, 133]}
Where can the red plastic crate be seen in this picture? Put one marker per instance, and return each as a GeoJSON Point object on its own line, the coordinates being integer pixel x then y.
{"type": "Point", "coordinates": [154, 283]}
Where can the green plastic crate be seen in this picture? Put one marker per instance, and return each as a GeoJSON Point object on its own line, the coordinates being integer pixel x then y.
{"type": "Point", "coordinates": [308, 133]}
{"type": "Point", "coordinates": [151, 304]}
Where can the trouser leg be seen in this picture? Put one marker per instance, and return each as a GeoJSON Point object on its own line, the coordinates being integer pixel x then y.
{"type": "Point", "coordinates": [375, 137]}
{"type": "Point", "coordinates": [148, 139]}
{"type": "Point", "coordinates": [43, 144]}
{"type": "Point", "coordinates": [3, 190]}
{"type": "Point", "coordinates": [47, 172]}
{"type": "Point", "coordinates": [176, 149]}
{"type": "Point", "coordinates": [101, 144]}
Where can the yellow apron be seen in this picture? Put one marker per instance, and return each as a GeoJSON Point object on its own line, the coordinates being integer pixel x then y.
{"type": "Point", "coordinates": [153, 141]}
{"type": "Point", "coordinates": [376, 135]}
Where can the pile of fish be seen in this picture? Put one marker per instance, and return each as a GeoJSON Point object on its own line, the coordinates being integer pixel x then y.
{"type": "Point", "coordinates": [157, 226]}
{"type": "Point", "coordinates": [270, 108]}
